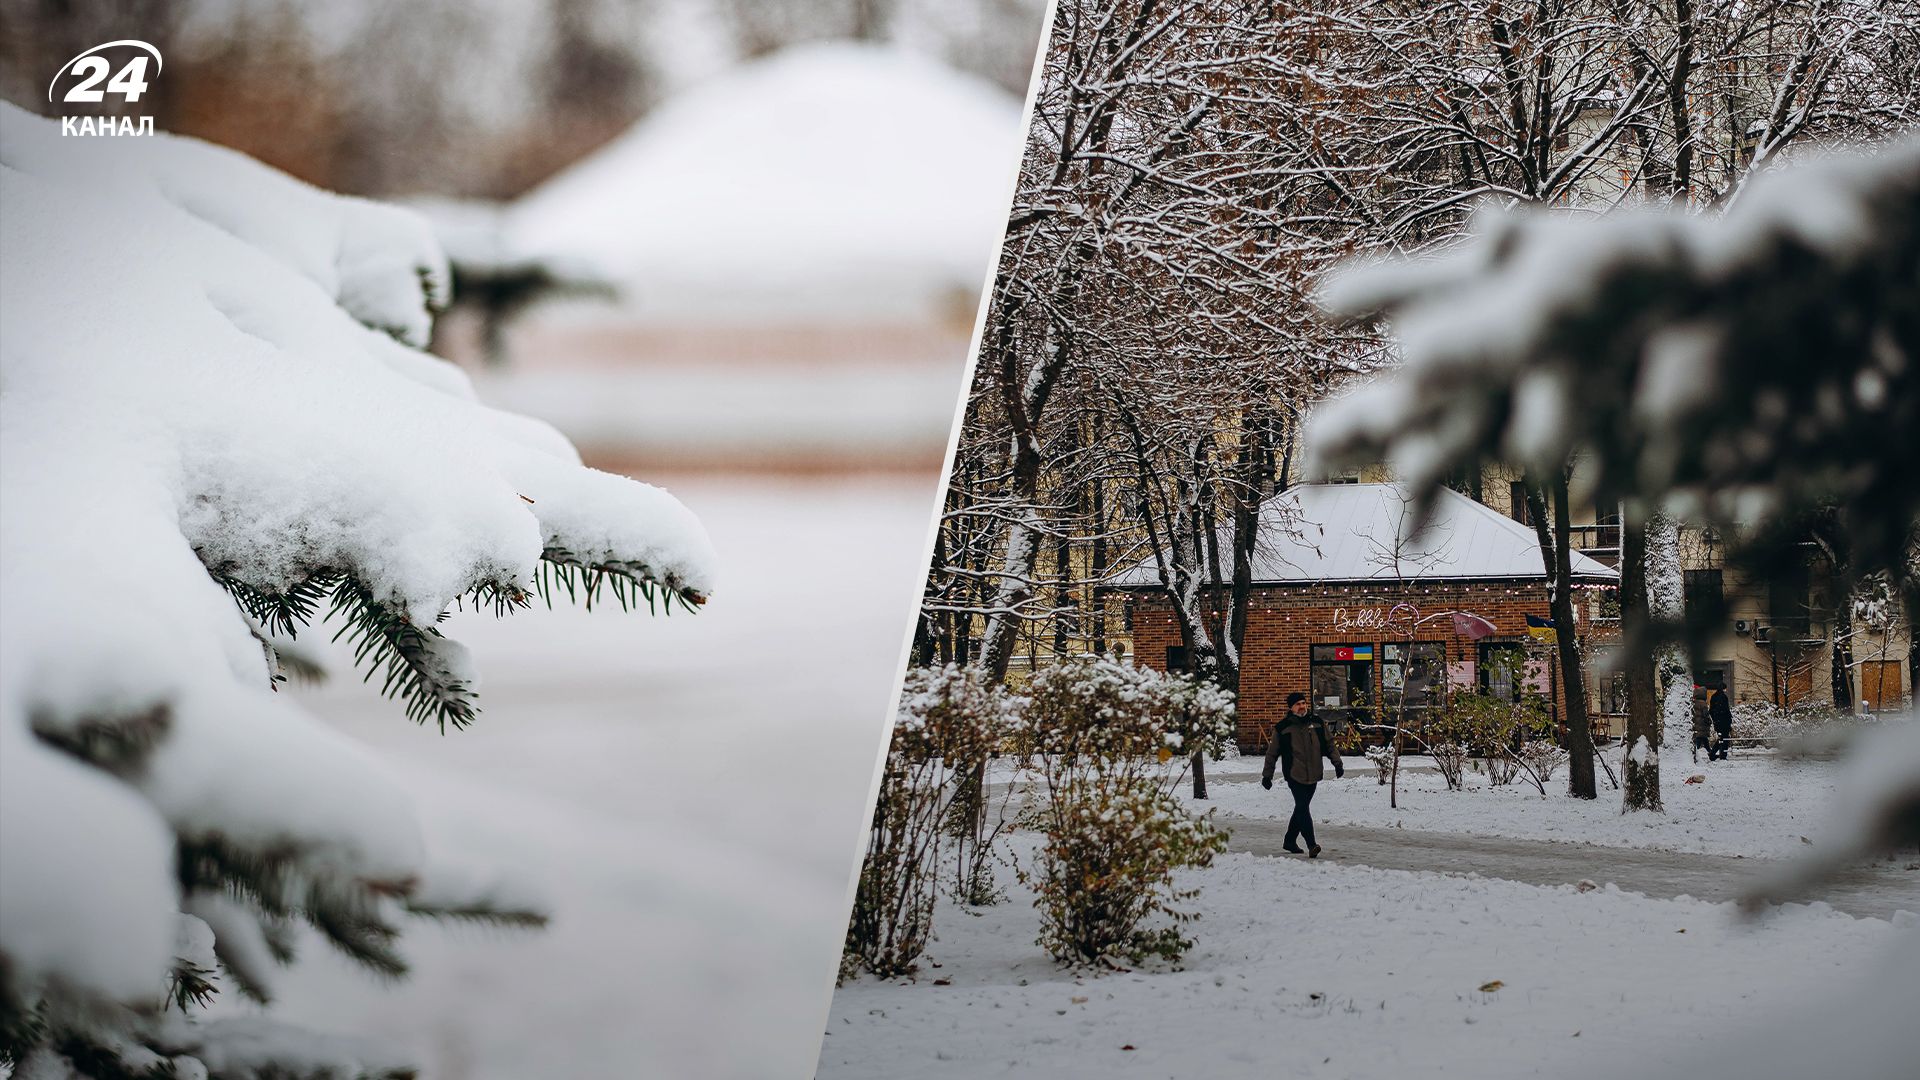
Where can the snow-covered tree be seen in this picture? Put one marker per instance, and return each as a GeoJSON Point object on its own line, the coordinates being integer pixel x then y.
{"type": "Point", "coordinates": [215, 424]}
{"type": "Point", "coordinates": [1666, 603]}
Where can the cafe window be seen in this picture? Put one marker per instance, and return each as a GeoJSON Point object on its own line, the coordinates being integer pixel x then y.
{"type": "Point", "coordinates": [1607, 681]}
{"type": "Point", "coordinates": [1342, 676]}
{"type": "Point", "coordinates": [1419, 673]}
{"type": "Point", "coordinates": [1503, 666]}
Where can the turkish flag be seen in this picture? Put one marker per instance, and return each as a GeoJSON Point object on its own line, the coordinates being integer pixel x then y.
{"type": "Point", "coordinates": [1343, 654]}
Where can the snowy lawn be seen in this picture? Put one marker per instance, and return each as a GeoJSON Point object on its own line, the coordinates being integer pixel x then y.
{"type": "Point", "coordinates": [1752, 806]}
{"type": "Point", "coordinates": [1312, 969]}
{"type": "Point", "coordinates": [688, 792]}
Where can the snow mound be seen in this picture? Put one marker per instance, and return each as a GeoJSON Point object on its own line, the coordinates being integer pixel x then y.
{"type": "Point", "coordinates": [212, 421]}
{"type": "Point", "coordinates": [830, 177]}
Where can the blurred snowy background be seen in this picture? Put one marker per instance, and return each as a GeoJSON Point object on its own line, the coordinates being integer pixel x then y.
{"type": "Point", "coordinates": [731, 246]}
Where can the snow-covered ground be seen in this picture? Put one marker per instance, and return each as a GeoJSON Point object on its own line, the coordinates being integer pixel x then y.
{"type": "Point", "coordinates": [687, 791]}
{"type": "Point", "coordinates": [1752, 806]}
{"type": "Point", "coordinates": [1312, 969]}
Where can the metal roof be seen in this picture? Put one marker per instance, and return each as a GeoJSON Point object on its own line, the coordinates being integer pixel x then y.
{"type": "Point", "coordinates": [1361, 532]}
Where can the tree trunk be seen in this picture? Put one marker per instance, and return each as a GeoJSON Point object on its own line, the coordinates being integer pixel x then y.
{"type": "Point", "coordinates": [1640, 779]}
{"type": "Point", "coordinates": [1249, 490]}
{"type": "Point", "coordinates": [1097, 503]}
{"type": "Point", "coordinates": [1842, 651]}
{"type": "Point", "coordinates": [1667, 607]}
{"type": "Point", "coordinates": [1556, 551]}
{"type": "Point", "coordinates": [1025, 400]}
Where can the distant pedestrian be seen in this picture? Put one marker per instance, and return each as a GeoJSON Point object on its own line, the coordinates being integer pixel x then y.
{"type": "Point", "coordinates": [1299, 741]}
{"type": "Point", "coordinates": [1702, 722]}
{"type": "Point", "coordinates": [1721, 712]}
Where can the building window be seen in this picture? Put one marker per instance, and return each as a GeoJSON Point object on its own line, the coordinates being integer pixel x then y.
{"type": "Point", "coordinates": [1706, 591]}
{"type": "Point", "coordinates": [1790, 602]}
{"type": "Point", "coordinates": [1606, 606]}
{"type": "Point", "coordinates": [1517, 502]}
{"type": "Point", "coordinates": [1342, 676]}
{"type": "Point", "coordinates": [1176, 658]}
{"type": "Point", "coordinates": [1420, 676]}
{"type": "Point", "coordinates": [1503, 667]}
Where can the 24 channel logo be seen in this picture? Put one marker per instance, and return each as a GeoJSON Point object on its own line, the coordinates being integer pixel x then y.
{"type": "Point", "coordinates": [84, 75]}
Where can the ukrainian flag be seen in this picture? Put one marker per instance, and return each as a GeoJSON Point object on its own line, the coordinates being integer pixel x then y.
{"type": "Point", "coordinates": [1540, 628]}
{"type": "Point", "coordinates": [1363, 652]}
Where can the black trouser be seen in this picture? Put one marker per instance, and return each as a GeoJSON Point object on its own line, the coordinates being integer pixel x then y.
{"type": "Point", "coordinates": [1300, 824]}
{"type": "Point", "coordinates": [1720, 746]}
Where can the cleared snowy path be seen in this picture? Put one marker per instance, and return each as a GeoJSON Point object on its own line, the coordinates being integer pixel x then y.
{"type": "Point", "coordinates": [1876, 891]}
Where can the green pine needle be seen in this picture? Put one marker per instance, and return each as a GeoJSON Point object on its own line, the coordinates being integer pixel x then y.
{"type": "Point", "coordinates": [189, 984]}
{"type": "Point", "coordinates": [628, 583]}
{"type": "Point", "coordinates": [517, 918]}
{"type": "Point", "coordinates": [407, 657]}
{"type": "Point", "coordinates": [410, 659]}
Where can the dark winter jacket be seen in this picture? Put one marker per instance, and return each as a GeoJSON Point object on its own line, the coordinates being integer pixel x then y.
{"type": "Point", "coordinates": [1702, 710]}
{"type": "Point", "coordinates": [1722, 712]}
{"type": "Point", "coordinates": [1298, 743]}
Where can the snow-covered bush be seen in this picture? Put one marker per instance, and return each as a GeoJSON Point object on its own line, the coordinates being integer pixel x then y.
{"type": "Point", "coordinates": [1543, 757]}
{"type": "Point", "coordinates": [1112, 742]}
{"type": "Point", "coordinates": [215, 423]}
{"type": "Point", "coordinates": [950, 720]}
{"type": "Point", "coordinates": [1386, 759]}
{"type": "Point", "coordinates": [1766, 722]}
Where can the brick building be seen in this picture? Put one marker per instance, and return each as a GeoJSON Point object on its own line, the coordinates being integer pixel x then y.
{"type": "Point", "coordinates": [1352, 607]}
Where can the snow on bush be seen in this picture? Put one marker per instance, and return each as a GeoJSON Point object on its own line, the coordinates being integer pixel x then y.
{"type": "Point", "coordinates": [214, 424]}
{"type": "Point", "coordinates": [1386, 762]}
{"type": "Point", "coordinates": [1111, 741]}
{"type": "Point", "coordinates": [1542, 758]}
{"type": "Point", "coordinates": [1765, 722]}
{"type": "Point", "coordinates": [950, 720]}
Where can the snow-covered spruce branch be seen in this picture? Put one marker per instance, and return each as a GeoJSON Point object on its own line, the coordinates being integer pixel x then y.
{"type": "Point", "coordinates": [214, 426]}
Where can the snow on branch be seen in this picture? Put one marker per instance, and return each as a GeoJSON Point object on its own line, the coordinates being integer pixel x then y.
{"type": "Point", "coordinates": [216, 427]}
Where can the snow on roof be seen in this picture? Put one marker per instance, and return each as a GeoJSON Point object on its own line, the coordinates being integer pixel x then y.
{"type": "Point", "coordinates": [827, 178]}
{"type": "Point", "coordinates": [1348, 532]}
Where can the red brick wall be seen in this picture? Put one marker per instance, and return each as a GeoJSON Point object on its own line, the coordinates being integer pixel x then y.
{"type": "Point", "coordinates": [1284, 622]}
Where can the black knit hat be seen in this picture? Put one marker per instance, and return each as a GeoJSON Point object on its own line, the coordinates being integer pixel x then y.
{"type": "Point", "coordinates": [1295, 698]}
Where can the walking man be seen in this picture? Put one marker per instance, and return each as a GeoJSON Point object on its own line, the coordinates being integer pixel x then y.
{"type": "Point", "coordinates": [1299, 741]}
{"type": "Point", "coordinates": [1722, 713]}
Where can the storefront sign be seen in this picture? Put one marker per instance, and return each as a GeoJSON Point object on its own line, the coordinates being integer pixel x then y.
{"type": "Point", "coordinates": [1346, 620]}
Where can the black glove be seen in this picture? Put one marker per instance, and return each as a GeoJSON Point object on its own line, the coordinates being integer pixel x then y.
{"type": "Point", "coordinates": [1339, 770]}
{"type": "Point", "coordinates": [1267, 782]}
